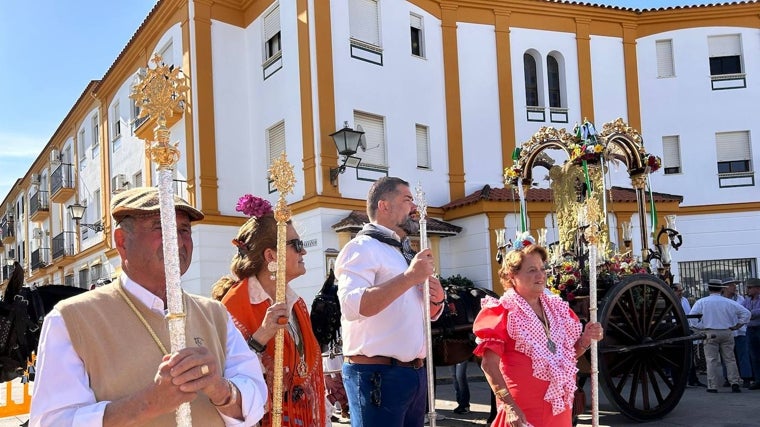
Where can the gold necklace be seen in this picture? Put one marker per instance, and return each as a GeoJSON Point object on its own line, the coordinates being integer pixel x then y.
{"type": "Point", "coordinates": [142, 319]}
{"type": "Point", "coordinates": [295, 333]}
{"type": "Point", "coordinates": [545, 323]}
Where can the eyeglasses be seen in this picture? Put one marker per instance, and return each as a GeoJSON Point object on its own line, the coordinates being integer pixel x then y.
{"type": "Point", "coordinates": [296, 243]}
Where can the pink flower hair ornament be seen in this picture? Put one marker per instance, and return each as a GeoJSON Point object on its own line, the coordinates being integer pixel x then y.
{"type": "Point", "coordinates": [253, 206]}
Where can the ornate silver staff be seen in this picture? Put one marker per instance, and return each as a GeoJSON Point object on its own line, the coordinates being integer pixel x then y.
{"type": "Point", "coordinates": [591, 235]}
{"type": "Point", "coordinates": [281, 173]}
{"type": "Point", "coordinates": [158, 94]}
{"type": "Point", "coordinates": [422, 210]}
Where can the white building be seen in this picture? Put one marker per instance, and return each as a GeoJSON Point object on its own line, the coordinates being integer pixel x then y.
{"type": "Point", "coordinates": [444, 91]}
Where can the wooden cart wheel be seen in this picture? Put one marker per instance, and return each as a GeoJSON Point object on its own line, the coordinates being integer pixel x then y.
{"type": "Point", "coordinates": [645, 356]}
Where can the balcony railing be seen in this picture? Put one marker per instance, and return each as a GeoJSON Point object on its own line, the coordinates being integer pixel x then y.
{"type": "Point", "coordinates": [7, 270]}
{"type": "Point", "coordinates": [63, 244]}
{"type": "Point", "coordinates": [62, 178]}
{"type": "Point", "coordinates": [39, 202]}
{"type": "Point", "coordinates": [7, 229]}
{"type": "Point", "coordinates": [40, 258]}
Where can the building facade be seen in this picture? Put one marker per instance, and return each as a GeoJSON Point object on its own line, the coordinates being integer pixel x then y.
{"type": "Point", "coordinates": [444, 91]}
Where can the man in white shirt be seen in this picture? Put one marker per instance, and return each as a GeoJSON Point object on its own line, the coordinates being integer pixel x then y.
{"type": "Point", "coordinates": [720, 318]}
{"type": "Point", "coordinates": [103, 356]}
{"type": "Point", "coordinates": [380, 288]}
{"type": "Point", "coordinates": [740, 337]}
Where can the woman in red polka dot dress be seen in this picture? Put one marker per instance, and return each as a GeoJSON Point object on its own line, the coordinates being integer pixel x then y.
{"type": "Point", "coordinates": [529, 340]}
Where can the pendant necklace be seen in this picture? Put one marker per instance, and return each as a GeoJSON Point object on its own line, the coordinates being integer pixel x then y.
{"type": "Point", "coordinates": [302, 370]}
{"type": "Point", "coordinates": [545, 323]}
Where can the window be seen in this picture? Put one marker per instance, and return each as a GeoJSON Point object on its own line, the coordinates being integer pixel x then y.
{"type": "Point", "coordinates": [275, 142]}
{"type": "Point", "coordinates": [671, 153]}
{"type": "Point", "coordinates": [423, 146]}
{"type": "Point", "coordinates": [95, 137]}
{"type": "Point", "coordinates": [95, 214]}
{"type": "Point", "coordinates": [552, 73]}
{"type": "Point", "coordinates": [116, 126]}
{"type": "Point", "coordinates": [137, 179]}
{"type": "Point", "coordinates": [725, 54]}
{"type": "Point", "coordinates": [135, 119]}
{"type": "Point", "coordinates": [418, 48]}
{"type": "Point", "coordinates": [272, 44]}
{"type": "Point", "coordinates": [665, 67]}
{"type": "Point", "coordinates": [82, 149]}
{"type": "Point", "coordinates": [68, 280]}
{"type": "Point", "coordinates": [374, 131]}
{"type": "Point", "coordinates": [734, 160]}
{"type": "Point", "coordinates": [84, 278]}
{"type": "Point", "coordinates": [531, 80]}
{"type": "Point", "coordinates": [167, 54]}
{"type": "Point", "coordinates": [97, 272]}
{"type": "Point", "coordinates": [364, 27]}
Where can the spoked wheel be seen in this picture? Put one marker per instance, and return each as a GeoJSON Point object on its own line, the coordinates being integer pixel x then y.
{"type": "Point", "coordinates": [645, 356]}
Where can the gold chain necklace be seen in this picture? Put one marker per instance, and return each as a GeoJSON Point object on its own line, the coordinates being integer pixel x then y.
{"type": "Point", "coordinates": [545, 323]}
{"type": "Point", "coordinates": [142, 319]}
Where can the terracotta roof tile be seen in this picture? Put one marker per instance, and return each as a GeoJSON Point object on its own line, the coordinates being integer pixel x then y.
{"type": "Point", "coordinates": [356, 220]}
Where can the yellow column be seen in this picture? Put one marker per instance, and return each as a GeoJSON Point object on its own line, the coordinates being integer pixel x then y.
{"type": "Point", "coordinates": [328, 155]}
{"type": "Point", "coordinates": [504, 76]}
{"type": "Point", "coordinates": [583, 42]}
{"type": "Point", "coordinates": [453, 105]}
{"type": "Point", "coordinates": [631, 76]}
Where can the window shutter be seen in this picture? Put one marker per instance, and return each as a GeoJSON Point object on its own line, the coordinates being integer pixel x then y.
{"type": "Point", "coordinates": [727, 45]}
{"type": "Point", "coordinates": [374, 131]}
{"type": "Point", "coordinates": [415, 21]}
{"type": "Point", "coordinates": [167, 54]}
{"type": "Point", "coordinates": [665, 58]}
{"type": "Point", "coordinates": [423, 147]}
{"type": "Point", "coordinates": [364, 21]}
{"type": "Point", "coordinates": [276, 141]}
{"type": "Point", "coordinates": [732, 146]}
{"type": "Point", "coordinates": [671, 152]}
{"type": "Point", "coordinates": [272, 23]}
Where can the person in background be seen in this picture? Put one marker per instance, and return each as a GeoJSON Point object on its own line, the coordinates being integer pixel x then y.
{"type": "Point", "coordinates": [693, 379]}
{"type": "Point", "coordinates": [720, 318]}
{"type": "Point", "coordinates": [380, 288]}
{"type": "Point", "coordinates": [741, 351]}
{"type": "Point", "coordinates": [529, 341]}
{"type": "Point", "coordinates": [752, 303]}
{"type": "Point", "coordinates": [103, 356]}
{"type": "Point", "coordinates": [461, 387]}
{"type": "Point", "coordinates": [249, 295]}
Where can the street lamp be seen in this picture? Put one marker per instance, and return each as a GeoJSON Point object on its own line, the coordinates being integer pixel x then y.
{"type": "Point", "coordinates": [77, 213]}
{"type": "Point", "coordinates": [347, 141]}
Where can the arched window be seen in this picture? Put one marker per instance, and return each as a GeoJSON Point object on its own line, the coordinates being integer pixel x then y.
{"type": "Point", "coordinates": [531, 81]}
{"type": "Point", "coordinates": [552, 73]}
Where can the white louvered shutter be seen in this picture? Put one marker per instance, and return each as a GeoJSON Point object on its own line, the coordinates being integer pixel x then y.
{"type": "Point", "coordinates": [374, 131]}
{"type": "Point", "coordinates": [671, 151]}
{"type": "Point", "coordinates": [415, 21]}
{"type": "Point", "coordinates": [364, 21]}
{"type": "Point", "coordinates": [727, 45]}
{"type": "Point", "coordinates": [732, 146]}
{"type": "Point", "coordinates": [272, 23]}
{"type": "Point", "coordinates": [276, 141]}
{"type": "Point", "coordinates": [665, 66]}
{"type": "Point", "coordinates": [423, 146]}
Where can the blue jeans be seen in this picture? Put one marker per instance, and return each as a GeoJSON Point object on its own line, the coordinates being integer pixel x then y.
{"type": "Point", "coordinates": [753, 344]}
{"type": "Point", "coordinates": [385, 395]}
{"type": "Point", "coordinates": [461, 387]}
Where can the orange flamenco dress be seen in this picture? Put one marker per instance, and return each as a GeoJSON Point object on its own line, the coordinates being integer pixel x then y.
{"type": "Point", "coordinates": [303, 380]}
{"type": "Point", "coordinates": [541, 382]}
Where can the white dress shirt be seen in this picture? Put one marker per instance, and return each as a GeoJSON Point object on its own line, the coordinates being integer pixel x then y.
{"type": "Point", "coordinates": [685, 304]}
{"type": "Point", "coordinates": [65, 398]}
{"type": "Point", "coordinates": [718, 312]}
{"type": "Point", "coordinates": [397, 331]}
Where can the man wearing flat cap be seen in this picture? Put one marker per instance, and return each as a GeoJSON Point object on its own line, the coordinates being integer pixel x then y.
{"type": "Point", "coordinates": [720, 318]}
{"type": "Point", "coordinates": [103, 357]}
{"type": "Point", "coordinates": [752, 303]}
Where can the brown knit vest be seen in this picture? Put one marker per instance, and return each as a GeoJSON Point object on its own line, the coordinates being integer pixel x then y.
{"type": "Point", "coordinates": [121, 357]}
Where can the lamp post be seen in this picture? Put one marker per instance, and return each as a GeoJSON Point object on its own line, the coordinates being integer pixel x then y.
{"type": "Point", "coordinates": [77, 213]}
{"type": "Point", "coordinates": [347, 142]}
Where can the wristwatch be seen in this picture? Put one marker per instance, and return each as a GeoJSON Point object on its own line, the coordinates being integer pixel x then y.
{"type": "Point", "coordinates": [256, 346]}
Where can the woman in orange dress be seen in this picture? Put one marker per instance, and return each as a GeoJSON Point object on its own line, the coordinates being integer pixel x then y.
{"type": "Point", "coordinates": [529, 341]}
{"type": "Point", "coordinates": [249, 297]}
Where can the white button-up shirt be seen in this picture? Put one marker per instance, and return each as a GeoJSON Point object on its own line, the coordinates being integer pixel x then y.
{"type": "Point", "coordinates": [65, 398]}
{"type": "Point", "coordinates": [718, 312]}
{"type": "Point", "coordinates": [398, 331]}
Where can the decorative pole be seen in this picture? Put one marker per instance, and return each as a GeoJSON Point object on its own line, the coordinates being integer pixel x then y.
{"type": "Point", "coordinates": [422, 210]}
{"type": "Point", "coordinates": [159, 94]}
{"type": "Point", "coordinates": [591, 234]}
{"type": "Point", "coordinates": [281, 173]}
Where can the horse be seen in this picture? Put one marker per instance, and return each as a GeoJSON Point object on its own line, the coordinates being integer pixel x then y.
{"type": "Point", "coordinates": [21, 314]}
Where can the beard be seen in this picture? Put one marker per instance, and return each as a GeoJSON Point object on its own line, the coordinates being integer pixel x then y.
{"type": "Point", "coordinates": [410, 225]}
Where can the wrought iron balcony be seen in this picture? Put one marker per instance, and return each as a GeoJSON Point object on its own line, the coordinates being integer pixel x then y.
{"type": "Point", "coordinates": [40, 258]}
{"type": "Point", "coordinates": [7, 229]}
{"type": "Point", "coordinates": [39, 206]}
{"type": "Point", "coordinates": [63, 244]}
{"type": "Point", "coordinates": [62, 183]}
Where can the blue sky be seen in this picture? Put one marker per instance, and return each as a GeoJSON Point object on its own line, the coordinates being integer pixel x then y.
{"type": "Point", "coordinates": [51, 49]}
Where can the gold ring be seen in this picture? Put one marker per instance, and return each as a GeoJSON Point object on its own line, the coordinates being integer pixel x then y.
{"type": "Point", "coordinates": [204, 369]}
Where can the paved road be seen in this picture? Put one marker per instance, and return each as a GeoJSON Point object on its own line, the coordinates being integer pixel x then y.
{"type": "Point", "coordinates": [696, 409]}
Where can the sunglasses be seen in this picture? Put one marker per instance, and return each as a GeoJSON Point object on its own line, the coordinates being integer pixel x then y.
{"type": "Point", "coordinates": [297, 244]}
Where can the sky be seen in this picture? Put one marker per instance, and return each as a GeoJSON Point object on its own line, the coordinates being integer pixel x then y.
{"type": "Point", "coordinates": [51, 49]}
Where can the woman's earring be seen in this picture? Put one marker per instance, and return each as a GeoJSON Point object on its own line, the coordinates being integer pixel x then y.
{"type": "Point", "coordinates": [272, 267]}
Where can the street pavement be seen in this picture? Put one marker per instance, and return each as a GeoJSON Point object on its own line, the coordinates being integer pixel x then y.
{"type": "Point", "coordinates": [697, 408]}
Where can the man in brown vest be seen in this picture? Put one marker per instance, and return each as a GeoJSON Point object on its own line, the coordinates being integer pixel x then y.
{"type": "Point", "coordinates": [103, 356]}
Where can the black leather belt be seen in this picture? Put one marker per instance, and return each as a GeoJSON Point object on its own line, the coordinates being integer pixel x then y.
{"type": "Point", "coordinates": [384, 360]}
